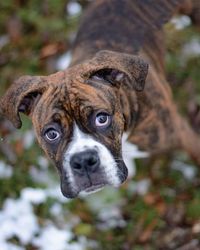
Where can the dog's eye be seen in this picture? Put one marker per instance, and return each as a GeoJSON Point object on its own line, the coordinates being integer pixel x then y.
{"type": "Point", "coordinates": [52, 135]}
{"type": "Point", "coordinates": [102, 120]}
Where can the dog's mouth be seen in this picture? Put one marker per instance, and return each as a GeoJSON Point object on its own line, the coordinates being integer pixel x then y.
{"type": "Point", "coordinates": [94, 188]}
{"type": "Point", "coordinates": [73, 191]}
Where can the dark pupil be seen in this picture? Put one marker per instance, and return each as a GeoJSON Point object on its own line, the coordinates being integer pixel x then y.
{"type": "Point", "coordinates": [52, 134]}
{"type": "Point", "coordinates": [102, 118]}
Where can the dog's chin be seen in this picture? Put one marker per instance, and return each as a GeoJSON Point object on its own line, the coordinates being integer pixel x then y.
{"type": "Point", "coordinates": [93, 188]}
{"type": "Point", "coordinates": [73, 193]}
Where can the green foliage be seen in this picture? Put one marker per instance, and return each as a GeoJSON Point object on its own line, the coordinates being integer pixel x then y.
{"type": "Point", "coordinates": [43, 23]}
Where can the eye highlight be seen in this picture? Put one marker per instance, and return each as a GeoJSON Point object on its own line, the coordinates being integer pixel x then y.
{"type": "Point", "coordinates": [52, 133]}
{"type": "Point", "coordinates": [102, 120]}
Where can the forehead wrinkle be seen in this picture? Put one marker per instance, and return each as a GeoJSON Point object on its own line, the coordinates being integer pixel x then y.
{"type": "Point", "coordinates": [91, 96]}
{"type": "Point", "coordinates": [49, 100]}
{"type": "Point", "coordinates": [50, 105]}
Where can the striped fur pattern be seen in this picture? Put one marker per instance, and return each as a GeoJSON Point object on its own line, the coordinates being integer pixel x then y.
{"type": "Point", "coordinates": [109, 74]}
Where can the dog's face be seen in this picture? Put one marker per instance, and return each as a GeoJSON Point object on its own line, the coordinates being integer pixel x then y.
{"type": "Point", "coordinates": [79, 118]}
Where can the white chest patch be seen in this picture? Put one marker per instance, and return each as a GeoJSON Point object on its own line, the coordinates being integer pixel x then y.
{"type": "Point", "coordinates": [130, 152]}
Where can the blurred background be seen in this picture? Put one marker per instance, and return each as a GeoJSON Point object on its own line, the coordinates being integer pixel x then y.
{"type": "Point", "coordinates": [159, 208]}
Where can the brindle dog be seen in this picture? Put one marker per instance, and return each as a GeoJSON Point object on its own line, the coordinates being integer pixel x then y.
{"type": "Point", "coordinates": [80, 114]}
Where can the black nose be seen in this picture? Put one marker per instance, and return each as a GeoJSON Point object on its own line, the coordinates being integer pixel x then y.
{"type": "Point", "coordinates": [86, 161]}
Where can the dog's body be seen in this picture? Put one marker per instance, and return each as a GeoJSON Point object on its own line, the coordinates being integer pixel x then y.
{"type": "Point", "coordinates": [80, 114]}
{"type": "Point", "coordinates": [137, 29]}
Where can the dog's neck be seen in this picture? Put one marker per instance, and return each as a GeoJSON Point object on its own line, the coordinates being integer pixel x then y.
{"type": "Point", "coordinates": [122, 26]}
{"type": "Point", "coordinates": [104, 26]}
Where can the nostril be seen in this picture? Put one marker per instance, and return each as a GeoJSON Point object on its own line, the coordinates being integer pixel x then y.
{"type": "Point", "coordinates": [93, 163]}
{"type": "Point", "coordinates": [92, 160]}
{"type": "Point", "coordinates": [77, 165]}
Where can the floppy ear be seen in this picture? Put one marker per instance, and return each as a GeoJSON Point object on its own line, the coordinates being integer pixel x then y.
{"type": "Point", "coordinates": [119, 68]}
{"type": "Point", "coordinates": [22, 96]}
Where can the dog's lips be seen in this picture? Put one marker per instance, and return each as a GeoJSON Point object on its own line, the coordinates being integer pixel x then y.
{"type": "Point", "coordinates": [73, 191]}
{"type": "Point", "coordinates": [94, 188]}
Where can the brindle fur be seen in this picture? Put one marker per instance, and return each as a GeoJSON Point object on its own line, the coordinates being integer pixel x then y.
{"type": "Point", "coordinates": [110, 33]}
{"type": "Point", "coordinates": [137, 29]}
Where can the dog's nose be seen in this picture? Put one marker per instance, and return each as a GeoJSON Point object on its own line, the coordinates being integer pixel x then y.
{"type": "Point", "coordinates": [86, 161]}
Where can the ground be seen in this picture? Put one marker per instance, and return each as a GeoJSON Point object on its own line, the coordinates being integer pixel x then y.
{"type": "Point", "coordinates": [159, 208]}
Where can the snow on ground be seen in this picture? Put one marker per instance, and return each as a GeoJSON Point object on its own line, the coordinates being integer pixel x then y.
{"type": "Point", "coordinates": [63, 61]}
{"type": "Point", "coordinates": [33, 195]}
{"type": "Point", "coordinates": [110, 217]}
{"type": "Point", "coordinates": [140, 187]}
{"type": "Point", "coordinates": [190, 49]}
{"type": "Point", "coordinates": [52, 238]}
{"type": "Point", "coordinates": [188, 171]}
{"type": "Point", "coordinates": [28, 138]}
{"type": "Point", "coordinates": [17, 219]}
{"type": "Point", "coordinates": [9, 246]}
{"type": "Point", "coordinates": [43, 162]}
{"type": "Point", "coordinates": [6, 171]}
{"type": "Point", "coordinates": [73, 8]}
{"type": "Point", "coordinates": [181, 22]}
{"type": "Point", "coordinates": [4, 39]}
{"type": "Point", "coordinates": [107, 205]}
{"type": "Point", "coordinates": [41, 176]}
{"type": "Point", "coordinates": [130, 152]}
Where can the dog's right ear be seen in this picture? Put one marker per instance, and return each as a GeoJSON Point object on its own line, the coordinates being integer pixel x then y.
{"type": "Point", "coordinates": [22, 96]}
{"type": "Point", "coordinates": [118, 68]}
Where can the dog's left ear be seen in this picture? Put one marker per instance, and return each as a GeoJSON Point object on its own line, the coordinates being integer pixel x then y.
{"type": "Point", "coordinates": [119, 68]}
{"type": "Point", "coordinates": [21, 97]}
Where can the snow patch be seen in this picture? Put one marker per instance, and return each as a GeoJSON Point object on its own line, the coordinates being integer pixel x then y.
{"type": "Point", "coordinates": [56, 209]}
{"type": "Point", "coordinates": [191, 49]}
{"type": "Point", "coordinates": [130, 152]}
{"type": "Point", "coordinates": [28, 139]}
{"type": "Point", "coordinates": [4, 40]}
{"type": "Point", "coordinates": [33, 195]}
{"type": "Point", "coordinates": [139, 187]}
{"type": "Point", "coordinates": [41, 176]}
{"type": "Point", "coordinates": [17, 219]}
{"type": "Point", "coordinates": [188, 171]}
{"type": "Point", "coordinates": [181, 22]}
{"type": "Point", "coordinates": [43, 162]}
{"type": "Point", "coordinates": [6, 171]}
{"type": "Point", "coordinates": [73, 8]}
{"type": "Point", "coordinates": [52, 238]}
{"type": "Point", "coordinates": [110, 218]}
{"type": "Point", "coordinates": [9, 246]}
{"type": "Point", "coordinates": [63, 61]}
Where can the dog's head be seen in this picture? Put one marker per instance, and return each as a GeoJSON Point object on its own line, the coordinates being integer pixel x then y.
{"type": "Point", "coordinates": [79, 116]}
